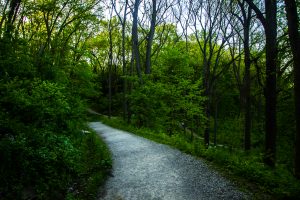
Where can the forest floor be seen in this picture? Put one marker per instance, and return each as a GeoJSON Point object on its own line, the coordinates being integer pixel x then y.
{"type": "Point", "coordinates": [143, 169]}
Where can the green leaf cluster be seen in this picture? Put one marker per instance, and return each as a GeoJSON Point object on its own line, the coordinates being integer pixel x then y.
{"type": "Point", "coordinates": [43, 152]}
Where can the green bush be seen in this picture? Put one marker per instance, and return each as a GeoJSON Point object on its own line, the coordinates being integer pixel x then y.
{"type": "Point", "coordinates": [44, 154]}
{"type": "Point", "coordinates": [278, 182]}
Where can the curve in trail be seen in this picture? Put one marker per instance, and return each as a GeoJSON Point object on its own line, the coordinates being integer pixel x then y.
{"type": "Point", "coordinates": [144, 170]}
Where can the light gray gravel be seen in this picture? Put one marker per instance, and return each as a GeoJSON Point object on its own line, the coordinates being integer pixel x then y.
{"type": "Point", "coordinates": [144, 170]}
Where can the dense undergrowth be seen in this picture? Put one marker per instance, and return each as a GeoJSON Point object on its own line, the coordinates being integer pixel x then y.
{"type": "Point", "coordinates": [46, 151]}
{"type": "Point", "coordinates": [245, 168]}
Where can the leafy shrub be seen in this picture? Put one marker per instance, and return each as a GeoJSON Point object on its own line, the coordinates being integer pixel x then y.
{"type": "Point", "coordinates": [40, 103]}
{"type": "Point", "coordinates": [44, 154]}
{"type": "Point", "coordinates": [278, 182]}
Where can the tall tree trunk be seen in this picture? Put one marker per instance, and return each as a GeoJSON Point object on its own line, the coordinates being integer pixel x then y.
{"type": "Point", "coordinates": [109, 89]}
{"type": "Point", "coordinates": [270, 91]}
{"type": "Point", "coordinates": [294, 37]}
{"type": "Point", "coordinates": [207, 102]}
{"type": "Point", "coordinates": [135, 40]}
{"type": "Point", "coordinates": [129, 113]}
{"type": "Point", "coordinates": [150, 38]}
{"type": "Point", "coordinates": [110, 65]}
{"type": "Point", "coordinates": [13, 11]}
{"type": "Point", "coordinates": [247, 62]}
{"type": "Point", "coordinates": [123, 53]}
{"type": "Point", "coordinates": [207, 124]}
{"type": "Point", "coordinates": [125, 104]}
{"type": "Point", "coordinates": [270, 26]}
{"type": "Point", "coordinates": [216, 123]}
{"type": "Point", "coordinates": [3, 17]}
{"type": "Point", "coordinates": [247, 125]}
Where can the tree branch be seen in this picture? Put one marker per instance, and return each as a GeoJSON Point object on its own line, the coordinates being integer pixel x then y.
{"type": "Point", "coordinates": [259, 14]}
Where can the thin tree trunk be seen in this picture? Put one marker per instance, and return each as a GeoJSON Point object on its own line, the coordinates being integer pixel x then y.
{"type": "Point", "coordinates": [3, 17]}
{"type": "Point", "coordinates": [14, 8]}
{"type": "Point", "coordinates": [207, 102]}
{"type": "Point", "coordinates": [294, 37]}
{"type": "Point", "coordinates": [207, 115]}
{"type": "Point", "coordinates": [109, 92]}
{"type": "Point", "coordinates": [130, 89]}
{"type": "Point", "coordinates": [150, 38]}
{"type": "Point", "coordinates": [207, 125]}
{"type": "Point", "coordinates": [135, 40]}
{"type": "Point", "coordinates": [123, 52]}
{"type": "Point", "coordinates": [125, 105]}
{"type": "Point", "coordinates": [110, 66]}
{"type": "Point", "coordinates": [247, 62]}
{"type": "Point", "coordinates": [216, 124]}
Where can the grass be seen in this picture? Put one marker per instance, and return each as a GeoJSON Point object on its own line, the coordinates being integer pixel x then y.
{"type": "Point", "coordinates": [246, 169]}
{"type": "Point", "coordinates": [94, 167]}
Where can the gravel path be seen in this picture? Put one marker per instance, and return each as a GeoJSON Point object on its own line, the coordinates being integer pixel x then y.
{"type": "Point", "coordinates": [144, 170]}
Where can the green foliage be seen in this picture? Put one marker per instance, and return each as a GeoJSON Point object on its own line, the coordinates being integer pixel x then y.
{"type": "Point", "coordinates": [48, 166]}
{"type": "Point", "coordinates": [53, 61]}
{"type": "Point", "coordinates": [45, 82]}
{"type": "Point", "coordinates": [168, 105]}
{"type": "Point", "coordinates": [39, 102]}
{"type": "Point", "coordinates": [95, 164]}
{"type": "Point", "coordinates": [269, 183]}
{"type": "Point", "coordinates": [227, 132]}
{"type": "Point", "coordinates": [148, 106]}
{"type": "Point", "coordinates": [168, 97]}
{"type": "Point", "coordinates": [43, 152]}
{"type": "Point", "coordinates": [280, 183]}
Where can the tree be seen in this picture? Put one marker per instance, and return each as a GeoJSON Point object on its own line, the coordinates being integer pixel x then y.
{"type": "Point", "coordinates": [150, 38]}
{"type": "Point", "coordinates": [269, 22]}
{"type": "Point", "coordinates": [124, 69]}
{"type": "Point", "coordinates": [135, 40]}
{"type": "Point", "coordinates": [182, 14]}
{"type": "Point", "coordinates": [294, 38]}
{"type": "Point", "coordinates": [110, 63]}
{"type": "Point", "coordinates": [245, 20]}
{"type": "Point", "coordinates": [14, 7]}
{"type": "Point", "coordinates": [155, 12]}
{"type": "Point", "coordinates": [212, 40]}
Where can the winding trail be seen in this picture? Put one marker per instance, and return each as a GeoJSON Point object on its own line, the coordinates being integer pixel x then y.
{"type": "Point", "coordinates": [145, 170]}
